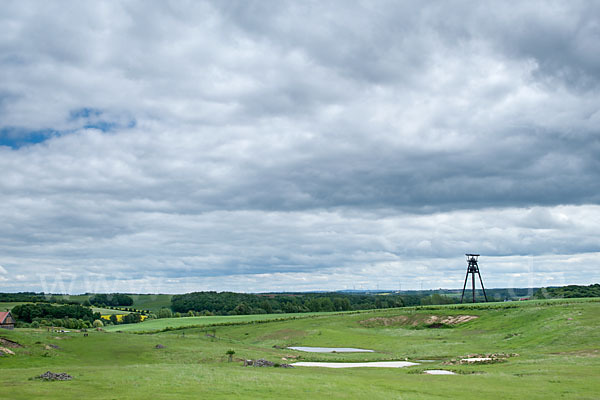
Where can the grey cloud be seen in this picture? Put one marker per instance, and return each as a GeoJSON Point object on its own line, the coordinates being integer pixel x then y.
{"type": "Point", "coordinates": [297, 140]}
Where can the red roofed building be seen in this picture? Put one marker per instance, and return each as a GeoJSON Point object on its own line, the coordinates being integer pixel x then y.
{"type": "Point", "coordinates": [6, 320]}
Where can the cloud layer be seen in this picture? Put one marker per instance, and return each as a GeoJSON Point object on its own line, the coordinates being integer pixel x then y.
{"type": "Point", "coordinates": [287, 146]}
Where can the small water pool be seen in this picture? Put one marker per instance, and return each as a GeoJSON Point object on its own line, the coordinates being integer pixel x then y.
{"type": "Point", "coordinates": [438, 372]}
{"type": "Point", "coordinates": [377, 364]}
{"type": "Point", "coordinates": [330, 349]}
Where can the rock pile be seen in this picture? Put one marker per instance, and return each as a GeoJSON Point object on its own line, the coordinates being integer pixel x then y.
{"type": "Point", "coordinates": [261, 362]}
{"type": "Point", "coordinates": [52, 376]}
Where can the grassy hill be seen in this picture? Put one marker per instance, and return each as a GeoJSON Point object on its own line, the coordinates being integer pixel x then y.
{"type": "Point", "coordinates": [556, 342]}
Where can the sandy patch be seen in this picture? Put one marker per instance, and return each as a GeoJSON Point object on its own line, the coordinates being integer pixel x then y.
{"type": "Point", "coordinates": [330, 349]}
{"type": "Point", "coordinates": [6, 351]}
{"type": "Point", "coordinates": [377, 364]}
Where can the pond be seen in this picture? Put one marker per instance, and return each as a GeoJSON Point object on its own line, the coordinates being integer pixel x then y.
{"type": "Point", "coordinates": [378, 364]}
{"type": "Point", "coordinates": [438, 372]}
{"type": "Point", "coordinates": [330, 349]}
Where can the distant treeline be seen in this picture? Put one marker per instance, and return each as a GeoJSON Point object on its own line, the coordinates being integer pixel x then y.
{"type": "Point", "coordinates": [106, 299]}
{"type": "Point", "coordinates": [35, 298]}
{"type": "Point", "coordinates": [571, 291]}
{"type": "Point", "coordinates": [21, 297]}
{"type": "Point", "coordinates": [228, 303]}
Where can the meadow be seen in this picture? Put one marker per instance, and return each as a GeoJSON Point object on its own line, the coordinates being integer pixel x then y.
{"type": "Point", "coordinates": [555, 347]}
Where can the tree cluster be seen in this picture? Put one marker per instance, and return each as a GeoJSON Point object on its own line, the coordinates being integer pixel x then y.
{"type": "Point", "coordinates": [112, 299]}
{"type": "Point", "coordinates": [21, 297]}
{"type": "Point", "coordinates": [42, 311]}
{"type": "Point", "coordinates": [571, 291]}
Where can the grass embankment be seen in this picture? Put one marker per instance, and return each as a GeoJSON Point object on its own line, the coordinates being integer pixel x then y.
{"type": "Point", "coordinates": [557, 343]}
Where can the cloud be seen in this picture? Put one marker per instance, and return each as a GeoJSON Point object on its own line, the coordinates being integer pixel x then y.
{"type": "Point", "coordinates": [221, 142]}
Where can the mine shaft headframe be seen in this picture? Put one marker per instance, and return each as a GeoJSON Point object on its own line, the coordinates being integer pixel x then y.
{"type": "Point", "coordinates": [472, 263]}
{"type": "Point", "coordinates": [472, 257]}
{"type": "Point", "coordinates": [472, 269]}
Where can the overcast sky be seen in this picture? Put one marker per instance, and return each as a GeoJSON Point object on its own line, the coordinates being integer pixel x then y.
{"type": "Point", "coordinates": [298, 145]}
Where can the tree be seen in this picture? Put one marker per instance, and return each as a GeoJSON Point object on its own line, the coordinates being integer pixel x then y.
{"type": "Point", "coordinates": [265, 305]}
{"type": "Point", "coordinates": [98, 324]}
{"type": "Point", "coordinates": [230, 353]}
{"type": "Point", "coordinates": [241, 309]}
{"type": "Point", "coordinates": [165, 313]}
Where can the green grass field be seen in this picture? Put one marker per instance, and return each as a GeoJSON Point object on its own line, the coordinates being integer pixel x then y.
{"type": "Point", "coordinates": [558, 346]}
{"type": "Point", "coordinates": [9, 306]}
{"type": "Point", "coordinates": [155, 325]}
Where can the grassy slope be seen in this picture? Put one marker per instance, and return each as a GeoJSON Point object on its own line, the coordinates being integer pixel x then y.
{"type": "Point", "coordinates": [558, 343]}
{"type": "Point", "coordinates": [152, 302]}
{"type": "Point", "coordinates": [154, 325]}
{"type": "Point", "coordinates": [9, 306]}
{"type": "Point", "coordinates": [108, 311]}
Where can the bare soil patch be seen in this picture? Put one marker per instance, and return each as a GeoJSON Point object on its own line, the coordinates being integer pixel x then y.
{"type": "Point", "coordinates": [491, 358]}
{"type": "Point", "coordinates": [432, 321]}
{"type": "Point", "coordinates": [9, 343]}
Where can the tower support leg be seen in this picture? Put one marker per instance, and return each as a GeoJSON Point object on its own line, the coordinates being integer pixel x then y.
{"type": "Point", "coordinates": [473, 285]}
{"type": "Point", "coordinates": [482, 288]}
{"type": "Point", "coordinates": [464, 286]}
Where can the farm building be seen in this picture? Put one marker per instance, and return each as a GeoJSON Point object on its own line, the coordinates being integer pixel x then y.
{"type": "Point", "coordinates": [6, 320]}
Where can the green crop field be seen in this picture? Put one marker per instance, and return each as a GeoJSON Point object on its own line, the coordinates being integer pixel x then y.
{"type": "Point", "coordinates": [555, 348]}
